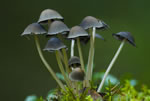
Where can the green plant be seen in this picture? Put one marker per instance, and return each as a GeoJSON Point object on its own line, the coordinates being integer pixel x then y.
{"type": "Point", "coordinates": [76, 82]}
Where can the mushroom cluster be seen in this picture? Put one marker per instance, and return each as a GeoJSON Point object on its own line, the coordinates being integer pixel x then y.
{"type": "Point", "coordinates": [72, 67]}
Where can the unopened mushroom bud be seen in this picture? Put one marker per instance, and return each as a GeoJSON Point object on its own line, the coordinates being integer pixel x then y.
{"type": "Point", "coordinates": [77, 75]}
{"type": "Point", "coordinates": [74, 62]}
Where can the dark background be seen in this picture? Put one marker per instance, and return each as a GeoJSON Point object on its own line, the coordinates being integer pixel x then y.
{"type": "Point", "coordinates": [21, 70]}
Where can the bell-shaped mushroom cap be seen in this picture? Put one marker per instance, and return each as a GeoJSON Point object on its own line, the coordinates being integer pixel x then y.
{"type": "Point", "coordinates": [85, 40]}
{"type": "Point", "coordinates": [34, 28]}
{"type": "Point", "coordinates": [54, 44]}
{"type": "Point", "coordinates": [90, 22]}
{"type": "Point", "coordinates": [77, 31]}
{"type": "Point", "coordinates": [125, 35]}
{"type": "Point", "coordinates": [57, 27]}
{"type": "Point", "coordinates": [74, 61]}
{"type": "Point", "coordinates": [77, 74]}
{"type": "Point", "coordinates": [49, 14]}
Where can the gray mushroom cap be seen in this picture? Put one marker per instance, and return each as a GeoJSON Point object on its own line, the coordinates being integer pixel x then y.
{"type": "Point", "coordinates": [90, 22]}
{"type": "Point", "coordinates": [125, 35]}
{"type": "Point", "coordinates": [76, 32]}
{"type": "Point", "coordinates": [74, 61]}
{"type": "Point", "coordinates": [54, 44]}
{"type": "Point", "coordinates": [33, 28]}
{"type": "Point", "coordinates": [77, 75]}
{"type": "Point", "coordinates": [49, 14]}
{"type": "Point", "coordinates": [57, 27]}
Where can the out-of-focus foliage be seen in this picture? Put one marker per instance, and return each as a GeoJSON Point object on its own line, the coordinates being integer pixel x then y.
{"type": "Point", "coordinates": [125, 92]}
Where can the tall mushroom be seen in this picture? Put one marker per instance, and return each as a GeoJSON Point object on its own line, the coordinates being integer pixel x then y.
{"type": "Point", "coordinates": [36, 29]}
{"type": "Point", "coordinates": [75, 33]}
{"type": "Point", "coordinates": [55, 45]}
{"type": "Point", "coordinates": [59, 28]}
{"type": "Point", "coordinates": [123, 37]}
{"type": "Point", "coordinates": [92, 24]}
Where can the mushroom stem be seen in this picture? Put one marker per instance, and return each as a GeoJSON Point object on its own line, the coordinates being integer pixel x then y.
{"type": "Point", "coordinates": [72, 47]}
{"type": "Point", "coordinates": [110, 65]}
{"type": "Point", "coordinates": [91, 57]}
{"type": "Point", "coordinates": [66, 60]}
{"type": "Point", "coordinates": [46, 64]}
{"type": "Point", "coordinates": [80, 54]}
{"type": "Point", "coordinates": [49, 23]}
{"type": "Point", "coordinates": [62, 69]}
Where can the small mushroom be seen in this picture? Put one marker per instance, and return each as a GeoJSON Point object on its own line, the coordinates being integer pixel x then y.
{"type": "Point", "coordinates": [33, 28]}
{"type": "Point", "coordinates": [36, 29]}
{"type": "Point", "coordinates": [90, 22]}
{"type": "Point", "coordinates": [123, 36]}
{"type": "Point", "coordinates": [74, 62]}
{"type": "Point", "coordinates": [49, 14]}
{"type": "Point", "coordinates": [75, 33]}
{"type": "Point", "coordinates": [77, 75]}
{"type": "Point", "coordinates": [54, 44]}
{"type": "Point", "coordinates": [57, 27]}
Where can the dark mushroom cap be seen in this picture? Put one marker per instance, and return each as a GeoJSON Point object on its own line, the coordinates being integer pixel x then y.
{"type": "Point", "coordinates": [76, 32]}
{"type": "Point", "coordinates": [54, 44]}
{"type": "Point", "coordinates": [49, 14]}
{"type": "Point", "coordinates": [57, 27]}
{"type": "Point", "coordinates": [90, 22]}
{"type": "Point", "coordinates": [85, 40]}
{"type": "Point", "coordinates": [34, 28]}
{"type": "Point", "coordinates": [125, 35]}
{"type": "Point", "coordinates": [74, 61]}
{"type": "Point", "coordinates": [77, 75]}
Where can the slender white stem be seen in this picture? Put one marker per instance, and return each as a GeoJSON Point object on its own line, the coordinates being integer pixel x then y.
{"type": "Point", "coordinates": [93, 33]}
{"type": "Point", "coordinates": [110, 66]}
{"type": "Point", "coordinates": [72, 47]}
{"type": "Point", "coordinates": [91, 57]}
{"type": "Point", "coordinates": [94, 30]}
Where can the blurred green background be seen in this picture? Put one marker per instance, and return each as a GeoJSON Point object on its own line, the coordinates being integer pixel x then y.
{"type": "Point", "coordinates": [21, 70]}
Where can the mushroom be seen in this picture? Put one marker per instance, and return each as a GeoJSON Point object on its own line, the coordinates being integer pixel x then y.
{"type": "Point", "coordinates": [48, 15]}
{"type": "Point", "coordinates": [57, 28]}
{"type": "Point", "coordinates": [77, 75]}
{"type": "Point", "coordinates": [55, 45]}
{"type": "Point", "coordinates": [36, 29]}
{"type": "Point", "coordinates": [74, 62]}
{"type": "Point", "coordinates": [90, 22]}
{"type": "Point", "coordinates": [75, 33]}
{"type": "Point", "coordinates": [123, 37]}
